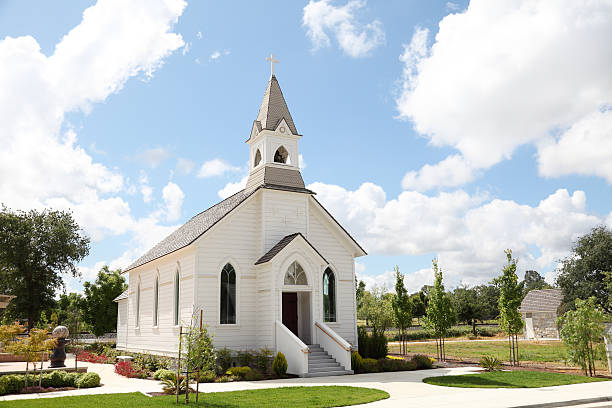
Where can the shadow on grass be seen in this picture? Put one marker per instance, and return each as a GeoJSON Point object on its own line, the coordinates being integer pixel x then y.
{"type": "Point", "coordinates": [468, 381]}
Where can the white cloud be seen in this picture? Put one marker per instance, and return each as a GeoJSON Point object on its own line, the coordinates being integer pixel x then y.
{"type": "Point", "coordinates": [468, 233]}
{"type": "Point", "coordinates": [507, 73]}
{"type": "Point", "coordinates": [355, 39]}
{"type": "Point", "coordinates": [199, 35]}
{"type": "Point", "coordinates": [232, 188]}
{"type": "Point", "coordinates": [452, 171]}
{"type": "Point", "coordinates": [185, 166]}
{"type": "Point", "coordinates": [186, 49]}
{"type": "Point", "coordinates": [452, 6]}
{"type": "Point", "coordinates": [215, 168]}
{"type": "Point", "coordinates": [173, 197]}
{"type": "Point", "coordinates": [41, 166]}
{"type": "Point", "coordinates": [154, 156]}
{"type": "Point", "coordinates": [585, 148]}
{"type": "Point", "coordinates": [218, 54]}
{"type": "Point", "coordinates": [145, 188]}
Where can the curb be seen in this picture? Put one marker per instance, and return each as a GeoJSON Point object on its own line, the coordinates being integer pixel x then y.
{"type": "Point", "coordinates": [570, 403]}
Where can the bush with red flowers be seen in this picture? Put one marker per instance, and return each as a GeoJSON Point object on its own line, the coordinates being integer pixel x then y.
{"type": "Point", "coordinates": [127, 369]}
{"type": "Point", "coordinates": [90, 357]}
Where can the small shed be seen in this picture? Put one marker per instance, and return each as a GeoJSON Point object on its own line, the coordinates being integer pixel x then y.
{"type": "Point", "coordinates": [122, 317]}
{"type": "Point", "coordinates": [539, 312]}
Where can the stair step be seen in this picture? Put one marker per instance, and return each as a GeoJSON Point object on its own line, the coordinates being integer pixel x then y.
{"type": "Point", "coordinates": [325, 369]}
{"type": "Point", "coordinates": [314, 345]}
{"type": "Point", "coordinates": [323, 363]}
{"type": "Point", "coordinates": [318, 358]}
{"type": "Point", "coordinates": [313, 349]}
{"type": "Point", "coordinates": [328, 373]}
{"type": "Point", "coordinates": [319, 353]}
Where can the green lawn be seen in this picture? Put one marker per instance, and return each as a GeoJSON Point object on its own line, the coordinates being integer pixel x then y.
{"type": "Point", "coordinates": [544, 351]}
{"type": "Point", "coordinates": [509, 379]}
{"type": "Point", "coordinates": [295, 397]}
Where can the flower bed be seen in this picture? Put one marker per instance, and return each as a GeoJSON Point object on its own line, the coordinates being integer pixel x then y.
{"type": "Point", "coordinates": [90, 357]}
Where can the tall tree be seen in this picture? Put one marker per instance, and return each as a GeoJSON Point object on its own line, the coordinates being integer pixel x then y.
{"type": "Point", "coordinates": [418, 301]}
{"type": "Point", "coordinates": [510, 297]}
{"type": "Point", "coordinates": [379, 311]}
{"type": "Point", "coordinates": [360, 288]}
{"type": "Point", "coordinates": [533, 281]}
{"type": "Point", "coordinates": [100, 310]}
{"type": "Point", "coordinates": [488, 298]}
{"type": "Point", "coordinates": [582, 331]}
{"type": "Point", "coordinates": [70, 313]}
{"type": "Point", "coordinates": [582, 273]}
{"type": "Point", "coordinates": [402, 312]}
{"type": "Point", "coordinates": [36, 249]}
{"type": "Point", "coordinates": [467, 306]}
{"type": "Point", "coordinates": [440, 315]}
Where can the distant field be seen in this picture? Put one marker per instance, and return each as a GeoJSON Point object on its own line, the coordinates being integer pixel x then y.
{"type": "Point", "coordinates": [541, 352]}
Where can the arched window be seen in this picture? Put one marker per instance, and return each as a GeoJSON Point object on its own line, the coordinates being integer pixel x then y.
{"type": "Point", "coordinates": [281, 155]}
{"type": "Point", "coordinates": [295, 275]}
{"type": "Point", "coordinates": [138, 304]}
{"type": "Point", "coordinates": [228, 295]}
{"type": "Point", "coordinates": [177, 291]}
{"type": "Point", "coordinates": [329, 296]}
{"type": "Point", "coordinates": [257, 158]}
{"type": "Point", "coordinates": [156, 301]}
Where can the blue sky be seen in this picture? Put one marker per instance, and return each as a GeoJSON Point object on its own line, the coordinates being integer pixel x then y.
{"type": "Point", "coordinates": [502, 125]}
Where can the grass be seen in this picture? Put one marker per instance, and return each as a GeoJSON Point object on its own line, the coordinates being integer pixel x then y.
{"type": "Point", "coordinates": [509, 379]}
{"type": "Point", "coordinates": [295, 397]}
{"type": "Point", "coordinates": [549, 351]}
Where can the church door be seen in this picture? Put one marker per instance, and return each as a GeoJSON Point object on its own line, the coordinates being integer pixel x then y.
{"type": "Point", "coordinates": [290, 311]}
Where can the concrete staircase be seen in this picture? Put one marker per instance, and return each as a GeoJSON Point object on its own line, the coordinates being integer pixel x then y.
{"type": "Point", "coordinates": [321, 364]}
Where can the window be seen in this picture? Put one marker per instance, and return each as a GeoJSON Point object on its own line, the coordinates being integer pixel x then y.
{"type": "Point", "coordinates": [295, 275]}
{"type": "Point", "coordinates": [281, 155]}
{"type": "Point", "coordinates": [329, 296]}
{"type": "Point", "coordinates": [257, 158]}
{"type": "Point", "coordinates": [228, 295]}
{"type": "Point", "coordinates": [138, 304]}
{"type": "Point", "coordinates": [177, 283]}
{"type": "Point", "coordinates": [156, 301]}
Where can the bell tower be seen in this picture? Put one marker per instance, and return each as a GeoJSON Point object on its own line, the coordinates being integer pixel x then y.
{"type": "Point", "coordinates": [274, 143]}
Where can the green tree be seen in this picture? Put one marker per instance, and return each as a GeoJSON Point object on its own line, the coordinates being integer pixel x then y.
{"type": "Point", "coordinates": [440, 315]}
{"type": "Point", "coordinates": [402, 311]}
{"type": "Point", "coordinates": [100, 309]}
{"type": "Point", "coordinates": [609, 286]}
{"type": "Point", "coordinates": [488, 298]}
{"type": "Point", "coordinates": [468, 307]}
{"type": "Point", "coordinates": [582, 273]}
{"type": "Point", "coordinates": [510, 297]}
{"type": "Point", "coordinates": [582, 331]}
{"type": "Point", "coordinates": [418, 301]}
{"type": "Point", "coordinates": [360, 288]}
{"type": "Point", "coordinates": [36, 249]}
{"type": "Point", "coordinates": [379, 311]}
{"type": "Point", "coordinates": [533, 281]}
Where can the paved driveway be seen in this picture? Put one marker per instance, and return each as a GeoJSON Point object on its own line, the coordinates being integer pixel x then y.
{"type": "Point", "coordinates": [406, 389]}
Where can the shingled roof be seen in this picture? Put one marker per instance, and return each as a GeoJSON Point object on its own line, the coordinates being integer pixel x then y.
{"type": "Point", "coordinates": [192, 229]}
{"type": "Point", "coordinates": [274, 108]}
{"type": "Point", "coordinates": [280, 245]}
{"type": "Point", "coordinates": [122, 296]}
{"type": "Point", "coordinates": [544, 300]}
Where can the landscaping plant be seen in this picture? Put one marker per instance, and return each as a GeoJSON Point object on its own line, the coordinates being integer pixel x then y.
{"type": "Point", "coordinates": [402, 310]}
{"type": "Point", "coordinates": [582, 331]}
{"type": "Point", "coordinates": [490, 363]}
{"type": "Point", "coordinates": [440, 315]}
{"type": "Point", "coordinates": [510, 297]}
{"type": "Point", "coordinates": [279, 365]}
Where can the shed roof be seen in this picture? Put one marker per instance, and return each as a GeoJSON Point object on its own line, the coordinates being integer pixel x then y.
{"type": "Point", "coordinates": [122, 296]}
{"type": "Point", "coordinates": [542, 300]}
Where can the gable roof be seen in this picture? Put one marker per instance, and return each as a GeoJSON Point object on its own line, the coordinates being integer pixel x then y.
{"type": "Point", "coordinates": [544, 300]}
{"type": "Point", "coordinates": [339, 225]}
{"type": "Point", "coordinates": [280, 245]}
{"type": "Point", "coordinates": [192, 229]}
{"type": "Point", "coordinates": [122, 296]}
{"type": "Point", "coordinates": [274, 108]}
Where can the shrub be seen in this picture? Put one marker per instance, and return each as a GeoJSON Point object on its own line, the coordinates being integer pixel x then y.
{"type": "Point", "coordinates": [225, 378]}
{"type": "Point", "coordinates": [207, 377]}
{"type": "Point", "coordinates": [490, 363]}
{"type": "Point", "coordinates": [369, 365]}
{"type": "Point", "coordinates": [127, 369]}
{"type": "Point", "coordinates": [279, 365]}
{"type": "Point", "coordinates": [240, 372]}
{"type": "Point", "coordinates": [91, 357]}
{"type": "Point", "coordinates": [88, 380]}
{"type": "Point", "coordinates": [388, 364]}
{"type": "Point", "coordinates": [356, 361]}
{"type": "Point", "coordinates": [263, 358]}
{"type": "Point", "coordinates": [162, 373]}
{"type": "Point", "coordinates": [11, 384]}
{"type": "Point", "coordinates": [422, 361]}
{"type": "Point", "coordinates": [151, 362]}
{"type": "Point", "coordinates": [169, 385]}
{"type": "Point", "coordinates": [371, 345]}
{"type": "Point", "coordinates": [245, 358]}
{"type": "Point", "coordinates": [224, 359]}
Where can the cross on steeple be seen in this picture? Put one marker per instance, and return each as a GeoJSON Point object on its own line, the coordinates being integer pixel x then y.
{"type": "Point", "coordinates": [272, 61]}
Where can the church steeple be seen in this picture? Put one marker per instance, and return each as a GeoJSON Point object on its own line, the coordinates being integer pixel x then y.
{"type": "Point", "coordinates": [274, 143]}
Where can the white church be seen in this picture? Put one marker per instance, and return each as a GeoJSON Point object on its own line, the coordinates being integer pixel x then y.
{"type": "Point", "coordinates": [269, 266]}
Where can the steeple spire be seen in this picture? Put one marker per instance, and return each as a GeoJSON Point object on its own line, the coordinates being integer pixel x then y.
{"type": "Point", "coordinates": [273, 108]}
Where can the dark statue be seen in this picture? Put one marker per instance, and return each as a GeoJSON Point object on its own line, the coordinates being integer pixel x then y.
{"type": "Point", "coordinates": [59, 352]}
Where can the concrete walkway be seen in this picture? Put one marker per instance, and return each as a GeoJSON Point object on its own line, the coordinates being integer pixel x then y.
{"type": "Point", "coordinates": [405, 388]}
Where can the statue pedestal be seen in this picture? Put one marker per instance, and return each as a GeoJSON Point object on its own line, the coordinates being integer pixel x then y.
{"type": "Point", "coordinates": [59, 354]}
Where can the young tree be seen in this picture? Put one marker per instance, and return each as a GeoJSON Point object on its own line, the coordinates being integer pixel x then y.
{"type": "Point", "coordinates": [402, 312]}
{"type": "Point", "coordinates": [510, 297]}
{"type": "Point", "coordinates": [440, 315]}
{"type": "Point", "coordinates": [36, 249]}
{"type": "Point", "coordinates": [198, 349]}
{"type": "Point", "coordinates": [582, 331]}
{"type": "Point", "coordinates": [582, 272]}
{"type": "Point", "coordinates": [379, 311]}
{"type": "Point", "coordinates": [32, 347]}
{"type": "Point", "coordinates": [99, 307]}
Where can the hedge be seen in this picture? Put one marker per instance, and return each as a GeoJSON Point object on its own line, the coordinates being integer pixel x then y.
{"type": "Point", "coordinates": [14, 383]}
